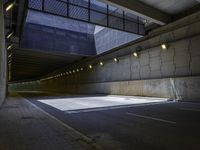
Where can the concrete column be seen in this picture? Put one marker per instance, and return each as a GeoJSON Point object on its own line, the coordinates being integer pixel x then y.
{"type": "Point", "coordinates": [3, 57]}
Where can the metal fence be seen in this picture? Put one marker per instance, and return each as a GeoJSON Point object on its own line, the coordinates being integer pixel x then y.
{"type": "Point", "coordinates": [91, 11]}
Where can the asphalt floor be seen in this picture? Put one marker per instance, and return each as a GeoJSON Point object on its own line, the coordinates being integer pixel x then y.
{"type": "Point", "coordinates": [164, 125]}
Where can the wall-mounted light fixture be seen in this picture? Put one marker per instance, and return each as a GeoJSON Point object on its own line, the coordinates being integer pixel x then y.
{"type": "Point", "coordinates": [9, 55]}
{"type": "Point", "coordinates": [9, 46]}
{"type": "Point", "coordinates": [90, 67]}
{"type": "Point", "coordinates": [101, 63]}
{"type": "Point", "coordinates": [9, 5]}
{"type": "Point", "coordinates": [135, 54]}
{"type": "Point", "coordinates": [116, 59]}
{"type": "Point", "coordinates": [164, 46]}
{"type": "Point", "coordinates": [9, 34]}
{"type": "Point", "coordinates": [137, 50]}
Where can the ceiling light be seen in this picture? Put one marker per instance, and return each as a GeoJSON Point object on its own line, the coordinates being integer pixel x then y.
{"type": "Point", "coordinates": [77, 70]}
{"type": "Point", "coordinates": [115, 59]}
{"type": "Point", "coordinates": [81, 69]}
{"type": "Point", "coordinates": [164, 46]}
{"type": "Point", "coordinates": [70, 72]}
{"type": "Point", "coordinates": [9, 6]}
{"type": "Point", "coordinates": [73, 71]}
{"type": "Point", "coordinates": [101, 63]}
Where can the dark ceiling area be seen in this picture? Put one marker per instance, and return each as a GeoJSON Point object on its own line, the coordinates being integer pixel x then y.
{"type": "Point", "coordinates": [30, 64]}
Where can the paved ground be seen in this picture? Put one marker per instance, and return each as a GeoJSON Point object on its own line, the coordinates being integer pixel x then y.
{"type": "Point", "coordinates": [25, 127]}
{"type": "Point", "coordinates": [165, 126]}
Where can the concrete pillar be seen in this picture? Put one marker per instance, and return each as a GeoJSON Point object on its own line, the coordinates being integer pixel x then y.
{"type": "Point", "coordinates": [3, 57]}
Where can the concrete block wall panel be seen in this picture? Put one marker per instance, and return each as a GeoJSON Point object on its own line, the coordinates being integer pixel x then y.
{"type": "Point", "coordinates": [122, 72]}
{"type": "Point", "coordinates": [155, 62]}
{"type": "Point", "coordinates": [157, 88]}
{"type": "Point", "coordinates": [182, 58]}
{"type": "Point", "coordinates": [135, 88]}
{"type": "Point", "coordinates": [3, 57]}
{"type": "Point", "coordinates": [188, 88]}
{"type": "Point", "coordinates": [192, 88]}
{"type": "Point", "coordinates": [135, 69]}
{"type": "Point", "coordinates": [195, 55]}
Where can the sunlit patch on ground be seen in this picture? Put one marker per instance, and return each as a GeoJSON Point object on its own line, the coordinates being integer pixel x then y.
{"type": "Point", "coordinates": [94, 103]}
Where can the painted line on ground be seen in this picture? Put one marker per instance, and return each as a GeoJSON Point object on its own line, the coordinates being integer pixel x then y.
{"type": "Point", "coordinates": [151, 118]}
{"type": "Point", "coordinates": [190, 109]}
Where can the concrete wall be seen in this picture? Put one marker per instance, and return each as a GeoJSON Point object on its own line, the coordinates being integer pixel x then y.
{"type": "Point", "coordinates": [172, 73]}
{"type": "Point", "coordinates": [186, 88]}
{"type": "Point", "coordinates": [108, 39]}
{"type": "Point", "coordinates": [3, 61]}
{"type": "Point", "coordinates": [40, 37]}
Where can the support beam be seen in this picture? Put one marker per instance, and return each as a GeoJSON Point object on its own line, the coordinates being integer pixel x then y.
{"type": "Point", "coordinates": [140, 9]}
{"type": "Point", "coordinates": [21, 16]}
{"type": "Point", "coordinates": [3, 57]}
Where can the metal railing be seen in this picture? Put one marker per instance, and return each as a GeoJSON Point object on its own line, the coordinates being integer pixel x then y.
{"type": "Point", "coordinates": [91, 11]}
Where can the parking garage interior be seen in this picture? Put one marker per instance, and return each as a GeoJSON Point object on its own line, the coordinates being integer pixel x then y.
{"type": "Point", "coordinates": [99, 74]}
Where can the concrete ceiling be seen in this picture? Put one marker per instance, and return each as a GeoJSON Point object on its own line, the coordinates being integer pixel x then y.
{"type": "Point", "coordinates": [156, 11]}
{"type": "Point", "coordinates": [171, 7]}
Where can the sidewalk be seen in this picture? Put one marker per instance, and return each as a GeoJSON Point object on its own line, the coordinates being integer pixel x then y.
{"type": "Point", "coordinates": [25, 127]}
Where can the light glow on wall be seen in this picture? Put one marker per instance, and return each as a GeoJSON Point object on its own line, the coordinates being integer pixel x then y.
{"type": "Point", "coordinates": [164, 46]}
{"type": "Point", "coordinates": [9, 6]}
{"type": "Point", "coordinates": [90, 66]}
{"type": "Point", "coordinates": [115, 60]}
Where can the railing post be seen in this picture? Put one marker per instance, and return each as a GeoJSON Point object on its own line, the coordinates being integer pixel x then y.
{"type": "Point", "coordinates": [89, 5]}
{"type": "Point", "coordinates": [43, 5]}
